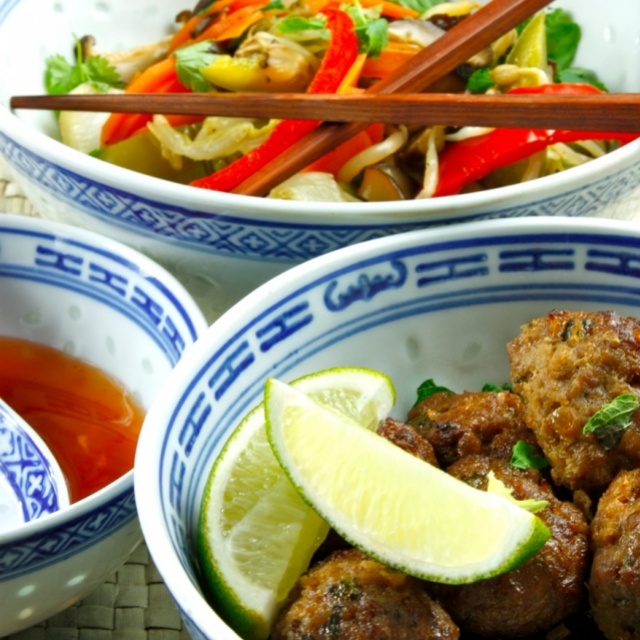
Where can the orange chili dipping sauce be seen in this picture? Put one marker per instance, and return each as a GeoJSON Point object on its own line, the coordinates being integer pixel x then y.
{"type": "Point", "coordinates": [89, 420]}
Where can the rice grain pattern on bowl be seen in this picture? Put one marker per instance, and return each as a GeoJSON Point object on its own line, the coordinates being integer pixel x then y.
{"type": "Point", "coordinates": [106, 304]}
{"type": "Point", "coordinates": [438, 303]}
{"type": "Point", "coordinates": [222, 245]}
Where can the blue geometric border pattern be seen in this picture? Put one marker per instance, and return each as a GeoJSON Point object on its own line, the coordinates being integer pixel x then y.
{"type": "Point", "coordinates": [273, 242]}
{"type": "Point", "coordinates": [27, 470]}
{"type": "Point", "coordinates": [70, 538]}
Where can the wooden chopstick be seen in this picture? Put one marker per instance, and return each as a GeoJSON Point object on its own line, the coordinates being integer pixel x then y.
{"type": "Point", "coordinates": [456, 46]}
{"type": "Point", "coordinates": [597, 112]}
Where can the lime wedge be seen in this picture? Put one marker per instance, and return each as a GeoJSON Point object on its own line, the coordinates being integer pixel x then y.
{"type": "Point", "coordinates": [398, 509]}
{"type": "Point", "coordinates": [256, 535]}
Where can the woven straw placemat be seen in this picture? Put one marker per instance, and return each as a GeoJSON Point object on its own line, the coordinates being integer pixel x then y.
{"type": "Point", "coordinates": [133, 604]}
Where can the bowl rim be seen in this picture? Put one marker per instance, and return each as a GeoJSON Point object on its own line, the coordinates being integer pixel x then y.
{"type": "Point", "coordinates": [188, 596]}
{"type": "Point", "coordinates": [351, 213]}
{"type": "Point", "coordinates": [149, 269]}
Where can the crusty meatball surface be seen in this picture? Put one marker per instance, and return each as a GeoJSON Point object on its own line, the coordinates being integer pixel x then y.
{"type": "Point", "coordinates": [614, 583]}
{"type": "Point", "coordinates": [471, 422]}
{"type": "Point", "coordinates": [566, 366]}
{"type": "Point", "coordinates": [542, 591]}
{"type": "Point", "coordinates": [349, 596]}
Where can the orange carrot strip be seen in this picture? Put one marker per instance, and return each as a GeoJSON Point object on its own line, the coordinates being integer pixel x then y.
{"type": "Point", "coordinates": [389, 59]}
{"type": "Point", "coordinates": [158, 78]}
{"type": "Point", "coordinates": [391, 9]}
{"type": "Point", "coordinates": [333, 161]}
{"type": "Point", "coordinates": [183, 34]}
{"type": "Point", "coordinates": [350, 81]}
{"type": "Point", "coordinates": [239, 22]}
{"type": "Point", "coordinates": [223, 23]}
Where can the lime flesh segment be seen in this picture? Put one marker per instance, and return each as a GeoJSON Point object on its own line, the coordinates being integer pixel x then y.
{"type": "Point", "coordinates": [256, 534]}
{"type": "Point", "coordinates": [397, 508]}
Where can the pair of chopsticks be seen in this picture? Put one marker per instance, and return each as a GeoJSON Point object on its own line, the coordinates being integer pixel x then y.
{"type": "Point", "coordinates": [396, 99]}
{"type": "Point", "coordinates": [594, 112]}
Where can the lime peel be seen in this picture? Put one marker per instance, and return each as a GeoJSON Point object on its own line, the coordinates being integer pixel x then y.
{"type": "Point", "coordinates": [256, 535]}
{"type": "Point", "coordinates": [446, 532]}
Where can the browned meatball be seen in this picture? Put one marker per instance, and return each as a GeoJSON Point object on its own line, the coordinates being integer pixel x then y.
{"type": "Point", "coordinates": [614, 583]}
{"type": "Point", "coordinates": [461, 424]}
{"type": "Point", "coordinates": [542, 591]}
{"type": "Point", "coordinates": [349, 596]}
{"type": "Point", "coordinates": [566, 366]}
{"type": "Point", "coordinates": [406, 437]}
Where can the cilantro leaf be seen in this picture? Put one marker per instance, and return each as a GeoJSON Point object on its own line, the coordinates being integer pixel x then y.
{"type": "Point", "coordinates": [609, 423]}
{"type": "Point", "coordinates": [371, 32]}
{"type": "Point", "coordinates": [274, 4]}
{"type": "Point", "coordinates": [62, 76]}
{"type": "Point", "coordinates": [563, 37]}
{"type": "Point", "coordinates": [579, 75]}
{"type": "Point", "coordinates": [524, 457]}
{"type": "Point", "coordinates": [419, 5]}
{"type": "Point", "coordinates": [189, 61]}
{"type": "Point", "coordinates": [428, 388]}
{"type": "Point", "coordinates": [292, 23]}
{"type": "Point", "coordinates": [480, 81]}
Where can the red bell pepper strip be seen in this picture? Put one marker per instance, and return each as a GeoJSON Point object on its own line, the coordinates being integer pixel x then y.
{"type": "Point", "coordinates": [340, 55]}
{"type": "Point", "coordinates": [464, 162]}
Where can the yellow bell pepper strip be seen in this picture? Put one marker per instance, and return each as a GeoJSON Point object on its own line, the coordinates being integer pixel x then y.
{"type": "Point", "coordinates": [340, 55]}
{"type": "Point", "coordinates": [464, 162]}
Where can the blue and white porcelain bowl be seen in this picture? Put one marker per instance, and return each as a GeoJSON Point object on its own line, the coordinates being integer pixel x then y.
{"type": "Point", "coordinates": [32, 483]}
{"type": "Point", "coordinates": [439, 303]}
{"type": "Point", "coordinates": [104, 302]}
{"type": "Point", "coordinates": [220, 245]}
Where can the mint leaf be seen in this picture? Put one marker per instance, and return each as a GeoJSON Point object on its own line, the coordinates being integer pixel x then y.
{"type": "Point", "coordinates": [524, 456]}
{"type": "Point", "coordinates": [609, 423]}
{"type": "Point", "coordinates": [189, 61]}
{"type": "Point", "coordinates": [428, 388]}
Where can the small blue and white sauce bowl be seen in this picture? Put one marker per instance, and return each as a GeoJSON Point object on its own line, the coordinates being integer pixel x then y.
{"type": "Point", "coordinates": [32, 484]}
{"type": "Point", "coordinates": [105, 303]}
{"type": "Point", "coordinates": [439, 303]}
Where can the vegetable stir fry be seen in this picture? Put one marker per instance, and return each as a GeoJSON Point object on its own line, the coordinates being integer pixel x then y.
{"type": "Point", "coordinates": [325, 46]}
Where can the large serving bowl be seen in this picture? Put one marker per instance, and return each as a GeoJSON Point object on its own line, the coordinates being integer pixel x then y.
{"type": "Point", "coordinates": [223, 245]}
{"type": "Point", "coordinates": [107, 304]}
{"type": "Point", "coordinates": [439, 303]}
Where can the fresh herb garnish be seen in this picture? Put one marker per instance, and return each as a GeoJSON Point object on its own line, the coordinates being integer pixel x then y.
{"type": "Point", "coordinates": [291, 24]}
{"type": "Point", "coordinates": [61, 76]}
{"type": "Point", "coordinates": [189, 61]}
{"type": "Point", "coordinates": [580, 76]}
{"type": "Point", "coordinates": [488, 386]}
{"type": "Point", "coordinates": [524, 456]}
{"type": "Point", "coordinates": [480, 81]}
{"type": "Point", "coordinates": [274, 4]}
{"type": "Point", "coordinates": [563, 38]}
{"type": "Point", "coordinates": [428, 388]}
{"type": "Point", "coordinates": [419, 5]}
{"type": "Point", "coordinates": [371, 31]}
{"type": "Point", "coordinates": [495, 485]}
{"type": "Point", "coordinates": [609, 423]}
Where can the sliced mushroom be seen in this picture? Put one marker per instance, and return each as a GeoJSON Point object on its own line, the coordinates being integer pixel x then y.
{"type": "Point", "coordinates": [385, 182]}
